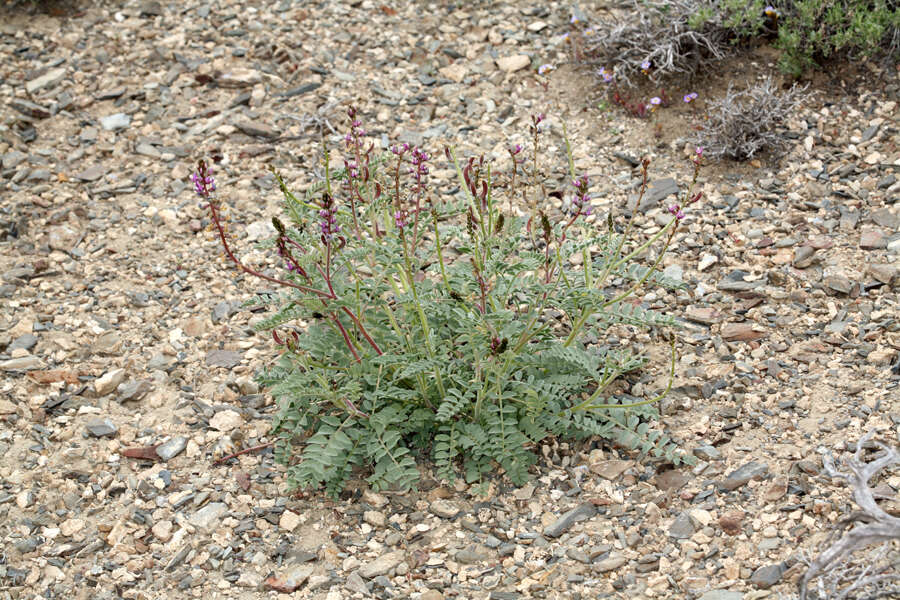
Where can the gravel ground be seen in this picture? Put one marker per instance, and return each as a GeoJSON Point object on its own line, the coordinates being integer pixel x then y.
{"type": "Point", "coordinates": [127, 362]}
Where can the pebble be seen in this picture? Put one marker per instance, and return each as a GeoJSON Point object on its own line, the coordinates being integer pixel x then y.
{"type": "Point", "coordinates": [566, 521]}
{"type": "Point", "coordinates": [741, 476]}
{"type": "Point", "coordinates": [767, 576]}
{"type": "Point", "coordinates": [101, 427]}
{"type": "Point", "coordinates": [115, 121]}
{"type": "Point", "coordinates": [172, 448]}
{"type": "Point", "coordinates": [381, 565]}
{"type": "Point", "coordinates": [516, 62]}
{"type": "Point", "coordinates": [209, 516]}
{"type": "Point", "coordinates": [109, 381]}
{"type": "Point", "coordinates": [226, 420]}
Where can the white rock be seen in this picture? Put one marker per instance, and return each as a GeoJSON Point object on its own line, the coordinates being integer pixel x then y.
{"type": "Point", "coordinates": [226, 420]}
{"type": "Point", "coordinates": [71, 526]}
{"type": "Point", "coordinates": [455, 72]}
{"type": "Point", "coordinates": [259, 230]}
{"type": "Point", "coordinates": [706, 261]}
{"type": "Point", "coordinates": [109, 382]}
{"type": "Point", "coordinates": [208, 516]}
{"type": "Point", "coordinates": [162, 530]}
{"type": "Point", "coordinates": [115, 121]}
{"type": "Point", "coordinates": [510, 64]}
{"type": "Point", "coordinates": [289, 520]}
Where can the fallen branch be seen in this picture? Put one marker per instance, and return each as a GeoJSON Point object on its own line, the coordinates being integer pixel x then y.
{"type": "Point", "coordinates": [835, 563]}
{"type": "Point", "coordinates": [219, 461]}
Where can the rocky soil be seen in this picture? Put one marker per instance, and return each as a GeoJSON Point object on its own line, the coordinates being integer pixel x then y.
{"type": "Point", "coordinates": [127, 360]}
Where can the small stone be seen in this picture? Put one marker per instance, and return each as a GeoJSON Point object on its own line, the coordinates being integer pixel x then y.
{"type": "Point", "coordinates": [658, 191]}
{"type": "Point", "coordinates": [510, 64]}
{"type": "Point", "coordinates": [706, 261]}
{"type": "Point", "coordinates": [706, 315]}
{"type": "Point", "coordinates": [804, 257]}
{"type": "Point", "coordinates": [226, 420]}
{"type": "Point", "coordinates": [24, 363]}
{"type": "Point", "coordinates": [740, 332]}
{"type": "Point", "coordinates": [48, 79]}
{"type": "Point", "coordinates": [109, 381]}
{"type": "Point", "coordinates": [444, 509]}
{"type": "Point", "coordinates": [289, 520]}
{"type": "Point", "coordinates": [381, 565]}
{"type": "Point", "coordinates": [238, 78]}
{"type": "Point", "coordinates": [611, 469]}
{"type": "Point", "coordinates": [470, 556]}
{"type": "Point", "coordinates": [172, 448]}
{"type": "Point", "coordinates": [566, 521]}
{"type": "Point", "coordinates": [62, 238]}
{"type": "Point", "coordinates": [609, 564]}
{"type": "Point", "coordinates": [115, 121]}
{"type": "Point", "coordinates": [454, 72]}
{"type": "Point", "coordinates": [722, 595]}
{"type": "Point", "coordinates": [209, 516]}
{"type": "Point", "coordinates": [134, 390]}
{"type": "Point", "coordinates": [885, 273]}
{"type": "Point", "coordinates": [101, 427]}
{"type": "Point", "coordinates": [838, 283]}
{"type": "Point", "coordinates": [730, 522]}
{"type": "Point", "coordinates": [707, 453]}
{"type": "Point", "coordinates": [91, 173]}
{"type": "Point", "coordinates": [292, 579]}
{"type": "Point", "coordinates": [162, 530]}
{"type": "Point", "coordinates": [742, 475]}
{"type": "Point", "coordinates": [147, 150]}
{"type": "Point", "coordinates": [29, 108]}
{"type": "Point", "coordinates": [257, 129]}
{"type": "Point", "coordinates": [223, 358]}
{"type": "Point", "coordinates": [872, 239]}
{"type": "Point", "coordinates": [374, 518]}
{"type": "Point", "coordinates": [25, 341]}
{"type": "Point", "coordinates": [767, 576]}
{"type": "Point", "coordinates": [70, 527]}
{"type": "Point", "coordinates": [682, 527]}
{"type": "Point", "coordinates": [431, 595]}
{"type": "Point", "coordinates": [259, 230]}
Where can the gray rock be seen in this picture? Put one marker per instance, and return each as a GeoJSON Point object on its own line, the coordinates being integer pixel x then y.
{"type": "Point", "coordinates": [579, 555]}
{"type": "Point", "coordinates": [740, 476]}
{"type": "Point", "coordinates": [26, 341]}
{"type": "Point", "coordinates": [767, 576]}
{"type": "Point", "coordinates": [145, 149]}
{"type": "Point", "coordinates": [838, 283]}
{"type": "Point", "coordinates": [565, 522]}
{"type": "Point", "coordinates": [13, 159]}
{"type": "Point", "coordinates": [91, 173]}
{"type": "Point", "coordinates": [255, 128]}
{"type": "Point", "coordinates": [115, 121]}
{"type": "Point", "coordinates": [223, 358]}
{"type": "Point", "coordinates": [29, 109]}
{"type": "Point", "coordinates": [682, 527]}
{"type": "Point", "coordinates": [172, 448]}
{"type": "Point", "coordinates": [609, 564]}
{"type": "Point", "coordinates": [470, 556]}
{"type": "Point", "coordinates": [658, 191]}
{"type": "Point", "coordinates": [134, 390]}
{"type": "Point", "coordinates": [222, 311]}
{"type": "Point", "coordinates": [300, 90]}
{"type": "Point", "coordinates": [101, 427]}
{"type": "Point", "coordinates": [355, 584]}
{"type": "Point", "coordinates": [208, 516]}
{"type": "Point", "coordinates": [707, 453]}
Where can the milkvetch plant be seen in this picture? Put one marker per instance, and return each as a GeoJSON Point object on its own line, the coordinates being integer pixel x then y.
{"type": "Point", "coordinates": [416, 322]}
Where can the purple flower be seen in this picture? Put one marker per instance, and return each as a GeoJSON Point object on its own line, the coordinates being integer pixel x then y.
{"type": "Point", "coordinates": [544, 69]}
{"type": "Point", "coordinates": [328, 225]}
{"type": "Point", "coordinates": [398, 150]}
{"type": "Point", "coordinates": [699, 152]}
{"type": "Point", "coordinates": [515, 149]}
{"type": "Point", "coordinates": [400, 219]}
{"type": "Point", "coordinates": [645, 66]}
{"type": "Point", "coordinates": [770, 11]}
{"type": "Point", "coordinates": [606, 75]}
{"type": "Point", "coordinates": [204, 184]}
{"type": "Point", "coordinates": [581, 202]}
{"type": "Point", "coordinates": [688, 98]}
{"type": "Point", "coordinates": [676, 210]}
{"type": "Point", "coordinates": [574, 19]}
{"type": "Point", "coordinates": [655, 101]}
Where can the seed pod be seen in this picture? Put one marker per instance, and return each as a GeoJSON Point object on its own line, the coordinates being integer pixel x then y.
{"type": "Point", "coordinates": [278, 225]}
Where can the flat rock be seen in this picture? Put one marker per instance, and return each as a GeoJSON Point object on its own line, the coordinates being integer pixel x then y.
{"type": "Point", "coordinates": [101, 427]}
{"type": "Point", "coordinates": [290, 580]}
{"type": "Point", "coordinates": [48, 79]}
{"type": "Point", "coordinates": [172, 448]}
{"type": "Point", "coordinates": [510, 64]}
{"type": "Point", "coordinates": [209, 516]}
{"type": "Point", "coordinates": [29, 109]}
{"type": "Point", "coordinates": [609, 564]}
{"type": "Point", "coordinates": [382, 565]}
{"type": "Point", "coordinates": [742, 475]}
{"type": "Point", "coordinates": [611, 469]}
{"type": "Point", "coordinates": [238, 78]}
{"type": "Point", "coordinates": [682, 527]}
{"type": "Point", "coordinates": [226, 420]}
{"type": "Point", "coordinates": [109, 381]}
{"type": "Point", "coordinates": [565, 522]}
{"type": "Point", "coordinates": [92, 173]}
{"type": "Point", "coordinates": [767, 576]}
{"type": "Point", "coordinates": [740, 332]}
{"type": "Point", "coordinates": [444, 509]}
{"type": "Point", "coordinates": [115, 121]}
{"type": "Point", "coordinates": [62, 237]}
{"type": "Point", "coordinates": [223, 358]}
{"type": "Point", "coordinates": [872, 239]}
{"type": "Point", "coordinates": [256, 128]}
{"type": "Point", "coordinates": [23, 363]}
